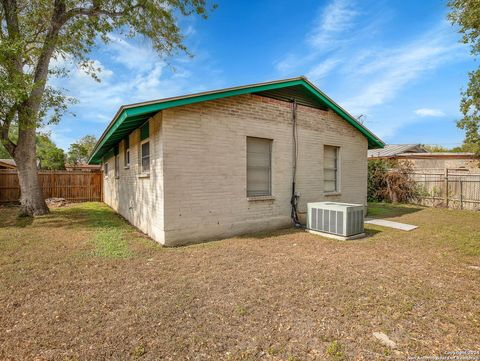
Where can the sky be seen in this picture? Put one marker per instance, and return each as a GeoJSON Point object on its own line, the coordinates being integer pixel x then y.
{"type": "Point", "coordinates": [397, 64]}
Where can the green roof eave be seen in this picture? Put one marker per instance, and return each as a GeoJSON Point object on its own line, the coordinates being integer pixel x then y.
{"type": "Point", "coordinates": [142, 111]}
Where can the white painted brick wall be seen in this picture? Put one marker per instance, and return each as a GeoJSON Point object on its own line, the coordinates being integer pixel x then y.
{"type": "Point", "coordinates": [205, 165]}
{"type": "Point", "coordinates": [139, 199]}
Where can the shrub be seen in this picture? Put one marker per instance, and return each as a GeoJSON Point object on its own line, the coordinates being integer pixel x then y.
{"type": "Point", "coordinates": [389, 181]}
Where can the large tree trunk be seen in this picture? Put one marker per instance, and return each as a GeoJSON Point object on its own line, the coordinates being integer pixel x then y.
{"type": "Point", "coordinates": [31, 199]}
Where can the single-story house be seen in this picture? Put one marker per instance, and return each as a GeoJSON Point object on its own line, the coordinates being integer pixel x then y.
{"type": "Point", "coordinates": [227, 162]}
{"type": "Point", "coordinates": [7, 164]}
{"type": "Point", "coordinates": [426, 162]}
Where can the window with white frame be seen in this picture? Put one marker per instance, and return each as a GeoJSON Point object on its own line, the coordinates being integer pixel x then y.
{"type": "Point", "coordinates": [117, 166]}
{"type": "Point", "coordinates": [330, 169]}
{"type": "Point", "coordinates": [105, 169]}
{"type": "Point", "coordinates": [259, 167]}
{"type": "Point", "coordinates": [145, 156]}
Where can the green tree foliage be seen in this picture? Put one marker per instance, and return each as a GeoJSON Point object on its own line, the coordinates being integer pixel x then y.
{"type": "Point", "coordinates": [466, 147]}
{"type": "Point", "coordinates": [436, 148]}
{"type": "Point", "coordinates": [80, 151]}
{"type": "Point", "coordinates": [389, 181]}
{"type": "Point", "coordinates": [3, 153]}
{"type": "Point", "coordinates": [48, 154]}
{"type": "Point", "coordinates": [466, 14]}
{"type": "Point", "coordinates": [35, 32]}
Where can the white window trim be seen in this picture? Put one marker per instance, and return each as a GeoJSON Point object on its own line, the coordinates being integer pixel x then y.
{"type": "Point", "coordinates": [142, 173]}
{"type": "Point", "coordinates": [338, 189]}
{"type": "Point", "coordinates": [126, 165]}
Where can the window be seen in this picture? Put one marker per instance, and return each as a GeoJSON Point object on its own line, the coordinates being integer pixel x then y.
{"type": "Point", "coordinates": [330, 169]}
{"type": "Point", "coordinates": [126, 155]}
{"type": "Point", "coordinates": [145, 156]}
{"type": "Point", "coordinates": [259, 167]}
{"type": "Point", "coordinates": [127, 158]}
{"type": "Point", "coordinates": [117, 166]}
{"type": "Point", "coordinates": [105, 169]}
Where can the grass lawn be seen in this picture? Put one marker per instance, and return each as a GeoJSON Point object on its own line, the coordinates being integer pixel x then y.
{"type": "Point", "coordinates": [82, 284]}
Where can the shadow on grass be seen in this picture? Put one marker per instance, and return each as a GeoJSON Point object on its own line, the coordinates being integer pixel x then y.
{"type": "Point", "coordinates": [10, 217]}
{"type": "Point", "coordinates": [286, 231]}
{"type": "Point", "coordinates": [390, 210]}
{"type": "Point", "coordinates": [271, 233]}
{"type": "Point", "coordinates": [89, 215]}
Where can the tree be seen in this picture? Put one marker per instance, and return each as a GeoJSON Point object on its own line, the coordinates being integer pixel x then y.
{"type": "Point", "coordinates": [79, 151]}
{"type": "Point", "coordinates": [48, 154]}
{"type": "Point", "coordinates": [466, 14]}
{"type": "Point", "coordinates": [435, 148]}
{"type": "Point", "coordinates": [33, 32]}
{"type": "Point", "coordinates": [389, 181]}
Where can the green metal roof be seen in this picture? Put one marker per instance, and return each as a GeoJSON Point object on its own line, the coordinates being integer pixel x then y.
{"type": "Point", "coordinates": [131, 117]}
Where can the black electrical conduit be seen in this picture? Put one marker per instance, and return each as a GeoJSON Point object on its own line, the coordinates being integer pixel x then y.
{"type": "Point", "coordinates": [294, 199]}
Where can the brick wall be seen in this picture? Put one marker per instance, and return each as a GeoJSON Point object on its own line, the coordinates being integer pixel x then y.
{"type": "Point", "coordinates": [136, 197]}
{"type": "Point", "coordinates": [205, 165]}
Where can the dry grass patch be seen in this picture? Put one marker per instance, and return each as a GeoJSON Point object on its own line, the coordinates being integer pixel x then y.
{"type": "Point", "coordinates": [82, 284]}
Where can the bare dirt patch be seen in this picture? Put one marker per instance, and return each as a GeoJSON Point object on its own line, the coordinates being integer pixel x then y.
{"type": "Point", "coordinates": [82, 284]}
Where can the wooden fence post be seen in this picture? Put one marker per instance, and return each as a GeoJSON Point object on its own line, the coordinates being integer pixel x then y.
{"type": "Point", "coordinates": [446, 187]}
{"type": "Point", "coordinates": [461, 194]}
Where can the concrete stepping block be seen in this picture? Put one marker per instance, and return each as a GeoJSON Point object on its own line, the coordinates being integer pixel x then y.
{"type": "Point", "coordinates": [390, 224]}
{"type": "Point", "coordinates": [384, 339]}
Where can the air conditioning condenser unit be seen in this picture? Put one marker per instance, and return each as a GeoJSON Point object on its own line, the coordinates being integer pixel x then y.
{"type": "Point", "coordinates": [341, 220]}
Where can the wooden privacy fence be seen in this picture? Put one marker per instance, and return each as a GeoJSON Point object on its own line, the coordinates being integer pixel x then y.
{"type": "Point", "coordinates": [73, 186]}
{"type": "Point", "coordinates": [451, 189]}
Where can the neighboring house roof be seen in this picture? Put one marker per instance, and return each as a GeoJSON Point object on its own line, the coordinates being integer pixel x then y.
{"type": "Point", "coordinates": [82, 166]}
{"type": "Point", "coordinates": [130, 117]}
{"type": "Point", "coordinates": [443, 155]}
{"type": "Point", "coordinates": [392, 150]}
{"type": "Point", "coordinates": [7, 163]}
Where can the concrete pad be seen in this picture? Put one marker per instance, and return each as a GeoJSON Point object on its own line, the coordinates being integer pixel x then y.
{"type": "Point", "coordinates": [390, 224]}
{"type": "Point", "coordinates": [335, 236]}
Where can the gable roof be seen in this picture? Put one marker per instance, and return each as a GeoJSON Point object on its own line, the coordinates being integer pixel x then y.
{"type": "Point", "coordinates": [391, 150]}
{"type": "Point", "coordinates": [130, 117]}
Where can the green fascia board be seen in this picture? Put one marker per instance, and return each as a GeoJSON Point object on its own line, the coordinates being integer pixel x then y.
{"type": "Point", "coordinates": [150, 109]}
{"type": "Point", "coordinates": [213, 96]}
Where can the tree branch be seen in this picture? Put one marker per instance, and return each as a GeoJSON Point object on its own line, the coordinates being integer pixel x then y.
{"type": "Point", "coordinates": [11, 19]}
{"type": "Point", "coordinates": [5, 131]}
{"type": "Point", "coordinates": [96, 10]}
{"type": "Point", "coordinates": [29, 109]}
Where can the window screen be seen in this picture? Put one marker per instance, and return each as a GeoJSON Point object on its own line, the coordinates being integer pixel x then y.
{"type": "Point", "coordinates": [330, 169]}
{"type": "Point", "coordinates": [105, 169]}
{"type": "Point", "coordinates": [259, 167]}
{"type": "Point", "coordinates": [127, 158]}
{"type": "Point", "coordinates": [146, 157]}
